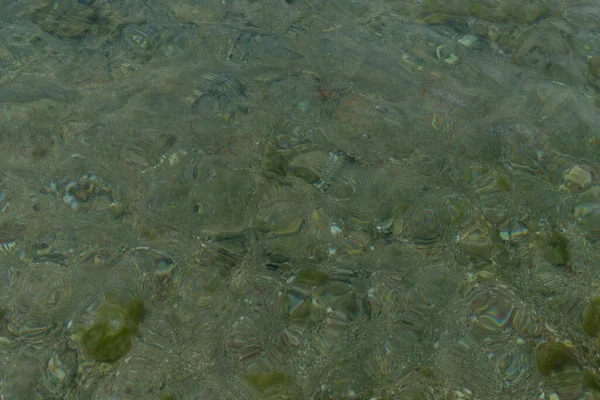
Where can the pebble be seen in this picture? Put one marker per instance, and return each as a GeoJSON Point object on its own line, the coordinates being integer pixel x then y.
{"type": "Point", "coordinates": [335, 230]}
{"type": "Point", "coordinates": [4, 342]}
{"type": "Point", "coordinates": [468, 40]}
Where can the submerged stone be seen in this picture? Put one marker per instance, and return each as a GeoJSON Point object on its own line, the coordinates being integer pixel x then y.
{"type": "Point", "coordinates": [591, 317]}
{"type": "Point", "coordinates": [107, 344]}
{"type": "Point", "coordinates": [554, 357]}
{"type": "Point", "coordinates": [263, 380]}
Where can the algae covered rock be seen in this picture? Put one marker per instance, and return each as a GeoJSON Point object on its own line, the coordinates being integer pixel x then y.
{"type": "Point", "coordinates": [558, 250]}
{"type": "Point", "coordinates": [263, 380]}
{"type": "Point", "coordinates": [591, 317]}
{"type": "Point", "coordinates": [554, 357]}
{"type": "Point", "coordinates": [109, 338]}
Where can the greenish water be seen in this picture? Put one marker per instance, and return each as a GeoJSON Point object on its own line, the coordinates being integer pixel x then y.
{"type": "Point", "coordinates": [299, 199]}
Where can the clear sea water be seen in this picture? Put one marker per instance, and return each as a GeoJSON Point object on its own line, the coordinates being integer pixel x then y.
{"type": "Point", "coordinates": [299, 199]}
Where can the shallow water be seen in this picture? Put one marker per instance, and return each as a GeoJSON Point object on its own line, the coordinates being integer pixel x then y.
{"type": "Point", "coordinates": [299, 199]}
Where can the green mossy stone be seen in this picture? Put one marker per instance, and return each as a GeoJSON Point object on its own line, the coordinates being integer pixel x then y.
{"type": "Point", "coordinates": [553, 357]}
{"type": "Point", "coordinates": [438, 19]}
{"type": "Point", "coordinates": [559, 252]}
{"type": "Point", "coordinates": [135, 313]}
{"type": "Point", "coordinates": [504, 183]}
{"type": "Point", "coordinates": [591, 381]}
{"type": "Point", "coordinates": [591, 317]}
{"type": "Point", "coordinates": [307, 174]}
{"type": "Point", "coordinates": [103, 344]}
{"type": "Point", "coordinates": [288, 226]}
{"type": "Point", "coordinates": [275, 161]}
{"type": "Point", "coordinates": [312, 277]}
{"type": "Point", "coordinates": [265, 380]}
{"type": "Point", "coordinates": [593, 67]}
{"type": "Point", "coordinates": [106, 344]}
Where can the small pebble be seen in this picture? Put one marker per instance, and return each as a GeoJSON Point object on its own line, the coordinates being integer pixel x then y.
{"type": "Point", "coordinates": [468, 40]}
